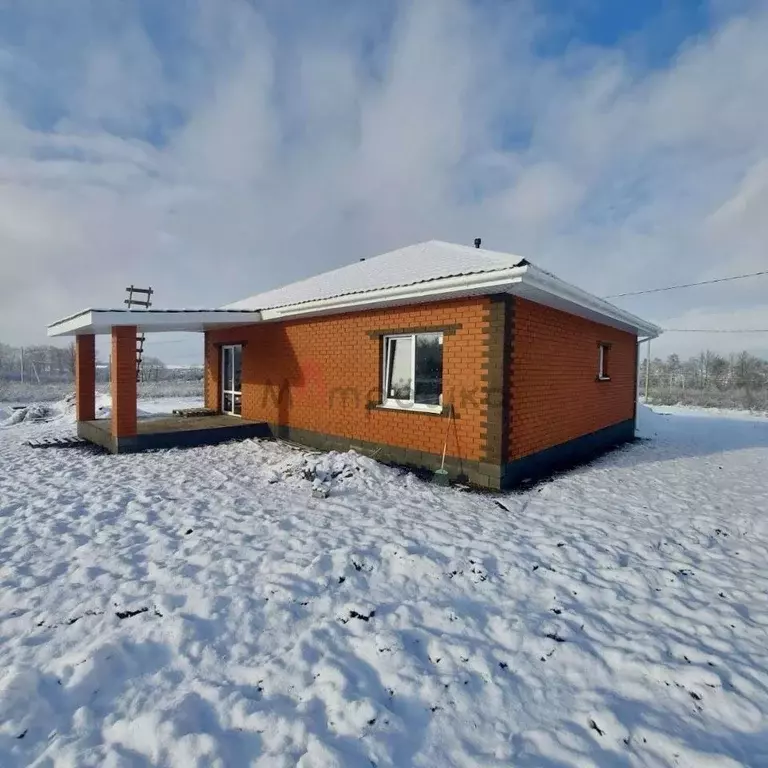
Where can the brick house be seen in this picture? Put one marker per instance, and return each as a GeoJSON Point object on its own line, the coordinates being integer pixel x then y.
{"type": "Point", "coordinates": [432, 347]}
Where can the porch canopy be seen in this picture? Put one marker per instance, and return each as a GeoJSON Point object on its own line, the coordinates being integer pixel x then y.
{"type": "Point", "coordinates": [124, 325]}
{"type": "Point", "coordinates": [96, 321]}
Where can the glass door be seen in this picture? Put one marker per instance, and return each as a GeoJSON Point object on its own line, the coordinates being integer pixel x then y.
{"type": "Point", "coordinates": [231, 379]}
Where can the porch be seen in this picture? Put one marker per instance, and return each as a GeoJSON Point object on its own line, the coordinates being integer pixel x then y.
{"type": "Point", "coordinates": [156, 432]}
{"type": "Point", "coordinates": [126, 431]}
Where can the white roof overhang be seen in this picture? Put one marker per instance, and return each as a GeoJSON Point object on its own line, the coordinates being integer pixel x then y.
{"type": "Point", "coordinates": [544, 288]}
{"type": "Point", "coordinates": [97, 321]}
{"type": "Point", "coordinates": [525, 281]}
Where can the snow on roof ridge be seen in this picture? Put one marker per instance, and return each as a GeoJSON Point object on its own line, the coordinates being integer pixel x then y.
{"type": "Point", "coordinates": [363, 277]}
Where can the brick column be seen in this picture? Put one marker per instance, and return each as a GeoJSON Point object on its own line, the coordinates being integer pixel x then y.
{"type": "Point", "coordinates": [85, 377]}
{"type": "Point", "coordinates": [212, 385]}
{"type": "Point", "coordinates": [124, 389]}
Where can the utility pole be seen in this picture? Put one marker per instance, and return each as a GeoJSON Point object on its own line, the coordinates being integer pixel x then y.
{"type": "Point", "coordinates": [22, 365]}
{"type": "Point", "coordinates": [34, 370]}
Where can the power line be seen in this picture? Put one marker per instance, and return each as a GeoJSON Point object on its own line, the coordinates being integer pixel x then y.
{"type": "Point", "coordinates": [715, 330]}
{"type": "Point", "coordinates": [687, 285]}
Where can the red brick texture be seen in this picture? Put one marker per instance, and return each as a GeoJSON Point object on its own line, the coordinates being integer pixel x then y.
{"type": "Point", "coordinates": [123, 375]}
{"type": "Point", "coordinates": [520, 377]}
{"type": "Point", "coordinates": [323, 375]}
{"type": "Point", "coordinates": [85, 377]}
{"type": "Point", "coordinates": [554, 392]}
{"type": "Point", "coordinates": [212, 357]}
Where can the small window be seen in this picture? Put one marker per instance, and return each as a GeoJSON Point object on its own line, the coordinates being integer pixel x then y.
{"type": "Point", "coordinates": [413, 371]}
{"type": "Point", "coordinates": [603, 355]}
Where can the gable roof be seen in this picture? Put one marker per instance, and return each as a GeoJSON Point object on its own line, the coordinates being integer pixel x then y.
{"type": "Point", "coordinates": [431, 271]}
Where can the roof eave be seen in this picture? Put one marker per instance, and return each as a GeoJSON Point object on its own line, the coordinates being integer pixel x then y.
{"type": "Point", "coordinates": [520, 280]}
{"type": "Point", "coordinates": [70, 325]}
{"type": "Point", "coordinates": [611, 314]}
{"type": "Point", "coordinates": [443, 288]}
{"type": "Point", "coordinates": [100, 321]}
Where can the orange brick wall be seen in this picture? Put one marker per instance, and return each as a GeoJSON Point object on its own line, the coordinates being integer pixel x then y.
{"type": "Point", "coordinates": [123, 375]}
{"type": "Point", "coordinates": [85, 377]}
{"type": "Point", "coordinates": [554, 394]}
{"type": "Point", "coordinates": [211, 353]}
{"type": "Point", "coordinates": [329, 368]}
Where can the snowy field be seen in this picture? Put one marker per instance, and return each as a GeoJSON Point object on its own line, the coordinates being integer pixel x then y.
{"type": "Point", "coordinates": [31, 392]}
{"type": "Point", "coordinates": [201, 608]}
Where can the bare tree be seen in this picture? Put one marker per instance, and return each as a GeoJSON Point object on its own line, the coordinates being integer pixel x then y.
{"type": "Point", "coordinates": [70, 357]}
{"type": "Point", "coordinates": [152, 369]}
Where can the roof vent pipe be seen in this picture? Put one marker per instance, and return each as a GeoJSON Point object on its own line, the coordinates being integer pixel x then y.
{"type": "Point", "coordinates": [478, 242]}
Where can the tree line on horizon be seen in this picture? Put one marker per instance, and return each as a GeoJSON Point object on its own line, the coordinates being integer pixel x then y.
{"type": "Point", "coordinates": [738, 380]}
{"type": "Point", "coordinates": [47, 363]}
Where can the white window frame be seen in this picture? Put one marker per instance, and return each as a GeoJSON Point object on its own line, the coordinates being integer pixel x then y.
{"type": "Point", "coordinates": [602, 358]}
{"type": "Point", "coordinates": [410, 404]}
{"type": "Point", "coordinates": [228, 388]}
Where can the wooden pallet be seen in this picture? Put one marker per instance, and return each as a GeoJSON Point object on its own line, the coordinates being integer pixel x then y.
{"type": "Point", "coordinates": [192, 412]}
{"type": "Point", "coordinates": [58, 442]}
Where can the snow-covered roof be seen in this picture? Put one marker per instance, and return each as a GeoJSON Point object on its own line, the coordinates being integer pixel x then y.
{"type": "Point", "coordinates": [412, 275]}
{"type": "Point", "coordinates": [431, 271]}
{"type": "Point", "coordinates": [414, 264]}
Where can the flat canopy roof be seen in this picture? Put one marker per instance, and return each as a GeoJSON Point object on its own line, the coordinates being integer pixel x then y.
{"type": "Point", "coordinates": [95, 321]}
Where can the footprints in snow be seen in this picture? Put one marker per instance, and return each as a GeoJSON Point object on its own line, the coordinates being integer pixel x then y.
{"type": "Point", "coordinates": [475, 570]}
{"type": "Point", "coordinates": [125, 614]}
{"type": "Point", "coordinates": [357, 615]}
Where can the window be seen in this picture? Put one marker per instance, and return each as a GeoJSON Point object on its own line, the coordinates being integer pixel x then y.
{"type": "Point", "coordinates": [602, 362]}
{"type": "Point", "coordinates": [413, 371]}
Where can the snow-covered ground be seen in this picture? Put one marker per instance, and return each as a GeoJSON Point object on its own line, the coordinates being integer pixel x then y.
{"type": "Point", "coordinates": [202, 608]}
{"type": "Point", "coordinates": [62, 414]}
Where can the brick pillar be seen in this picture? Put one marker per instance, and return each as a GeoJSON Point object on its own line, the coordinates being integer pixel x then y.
{"type": "Point", "coordinates": [124, 391]}
{"type": "Point", "coordinates": [212, 385]}
{"type": "Point", "coordinates": [85, 377]}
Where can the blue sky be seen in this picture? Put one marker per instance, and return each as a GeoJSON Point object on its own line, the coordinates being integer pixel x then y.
{"type": "Point", "coordinates": [215, 149]}
{"type": "Point", "coordinates": [656, 27]}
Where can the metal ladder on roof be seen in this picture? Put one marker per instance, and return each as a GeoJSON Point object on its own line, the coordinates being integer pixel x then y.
{"type": "Point", "coordinates": [144, 303]}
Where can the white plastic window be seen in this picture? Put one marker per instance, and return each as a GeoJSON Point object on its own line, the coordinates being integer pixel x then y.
{"type": "Point", "coordinates": [602, 362]}
{"type": "Point", "coordinates": [413, 371]}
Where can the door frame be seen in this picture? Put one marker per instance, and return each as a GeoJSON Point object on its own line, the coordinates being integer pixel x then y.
{"type": "Point", "coordinates": [230, 390]}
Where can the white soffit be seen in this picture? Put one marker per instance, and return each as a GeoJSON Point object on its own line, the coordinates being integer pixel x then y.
{"type": "Point", "coordinates": [100, 321]}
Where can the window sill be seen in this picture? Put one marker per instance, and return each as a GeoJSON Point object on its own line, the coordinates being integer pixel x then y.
{"type": "Point", "coordinates": [425, 410]}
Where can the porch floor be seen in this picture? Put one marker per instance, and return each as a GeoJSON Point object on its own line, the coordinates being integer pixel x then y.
{"type": "Point", "coordinates": [155, 432]}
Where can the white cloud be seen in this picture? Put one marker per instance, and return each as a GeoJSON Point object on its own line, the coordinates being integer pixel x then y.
{"type": "Point", "coordinates": [289, 152]}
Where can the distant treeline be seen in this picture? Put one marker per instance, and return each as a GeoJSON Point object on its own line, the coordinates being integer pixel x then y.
{"type": "Point", "coordinates": [739, 380]}
{"type": "Point", "coordinates": [45, 364]}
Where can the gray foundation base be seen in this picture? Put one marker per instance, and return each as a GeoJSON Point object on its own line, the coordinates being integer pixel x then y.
{"type": "Point", "coordinates": [169, 434]}
{"type": "Point", "coordinates": [473, 472]}
{"type": "Point", "coordinates": [478, 473]}
{"type": "Point", "coordinates": [568, 455]}
{"type": "Point", "coordinates": [154, 434]}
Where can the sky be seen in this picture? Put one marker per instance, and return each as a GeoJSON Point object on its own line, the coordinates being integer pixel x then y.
{"type": "Point", "coordinates": [214, 149]}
